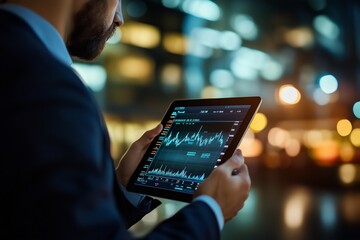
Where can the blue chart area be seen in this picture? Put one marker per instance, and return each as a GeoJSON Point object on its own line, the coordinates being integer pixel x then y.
{"type": "Point", "coordinates": [195, 139]}
{"type": "Point", "coordinates": [190, 151]}
{"type": "Point", "coordinates": [162, 171]}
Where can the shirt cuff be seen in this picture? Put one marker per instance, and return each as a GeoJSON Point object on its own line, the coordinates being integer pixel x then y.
{"type": "Point", "coordinates": [215, 208]}
{"type": "Point", "coordinates": [134, 198]}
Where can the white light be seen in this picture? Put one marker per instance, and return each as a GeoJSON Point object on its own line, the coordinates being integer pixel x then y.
{"type": "Point", "coordinates": [198, 50]}
{"type": "Point", "coordinates": [320, 97]}
{"type": "Point", "coordinates": [356, 109]}
{"type": "Point", "coordinates": [328, 84]}
{"type": "Point", "coordinates": [244, 72]}
{"type": "Point", "coordinates": [326, 27]}
{"type": "Point", "coordinates": [93, 76]}
{"type": "Point", "coordinates": [194, 80]}
{"type": "Point", "coordinates": [295, 209]}
{"type": "Point", "coordinates": [206, 36]}
{"type": "Point", "coordinates": [229, 40]}
{"type": "Point", "coordinates": [202, 9]}
{"type": "Point", "coordinates": [245, 26]}
{"type": "Point", "coordinates": [222, 78]}
{"type": "Point", "coordinates": [289, 94]}
{"type": "Point", "coordinates": [247, 63]}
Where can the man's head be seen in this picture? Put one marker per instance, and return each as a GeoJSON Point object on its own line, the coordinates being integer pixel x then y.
{"type": "Point", "coordinates": [93, 24]}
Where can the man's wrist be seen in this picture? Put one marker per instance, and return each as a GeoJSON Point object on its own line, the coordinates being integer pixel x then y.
{"type": "Point", "coordinates": [214, 207]}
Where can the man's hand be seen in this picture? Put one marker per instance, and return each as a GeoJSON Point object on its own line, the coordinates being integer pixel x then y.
{"type": "Point", "coordinates": [228, 184]}
{"type": "Point", "coordinates": [134, 154]}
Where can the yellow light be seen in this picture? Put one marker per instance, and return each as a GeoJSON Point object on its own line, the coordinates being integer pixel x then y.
{"type": "Point", "coordinates": [259, 122]}
{"type": "Point", "coordinates": [289, 95]}
{"type": "Point", "coordinates": [140, 34]}
{"type": "Point", "coordinates": [344, 127]}
{"type": "Point", "coordinates": [116, 134]}
{"type": "Point", "coordinates": [138, 69]}
{"type": "Point", "coordinates": [175, 43]}
{"type": "Point", "coordinates": [211, 92]}
{"type": "Point", "coordinates": [299, 37]}
{"type": "Point", "coordinates": [313, 138]}
{"type": "Point", "coordinates": [347, 173]}
{"type": "Point", "coordinates": [355, 137]}
{"type": "Point", "coordinates": [347, 152]}
{"type": "Point", "coordinates": [132, 132]}
{"type": "Point", "coordinates": [171, 75]}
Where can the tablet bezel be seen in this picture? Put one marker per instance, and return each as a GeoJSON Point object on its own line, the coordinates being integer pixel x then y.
{"type": "Point", "coordinates": [254, 103]}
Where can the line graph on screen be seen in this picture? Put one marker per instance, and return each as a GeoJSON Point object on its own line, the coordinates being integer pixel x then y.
{"type": "Point", "coordinates": [190, 151]}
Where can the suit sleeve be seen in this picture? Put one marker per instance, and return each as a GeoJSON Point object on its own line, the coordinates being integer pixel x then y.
{"type": "Point", "coordinates": [195, 221]}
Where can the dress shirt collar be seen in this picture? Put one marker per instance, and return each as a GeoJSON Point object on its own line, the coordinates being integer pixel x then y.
{"type": "Point", "coordinates": [43, 29]}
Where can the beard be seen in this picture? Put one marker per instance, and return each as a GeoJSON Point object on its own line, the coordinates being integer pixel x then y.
{"type": "Point", "coordinates": [89, 34]}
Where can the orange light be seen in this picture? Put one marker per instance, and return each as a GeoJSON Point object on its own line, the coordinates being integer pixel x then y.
{"type": "Point", "coordinates": [326, 153]}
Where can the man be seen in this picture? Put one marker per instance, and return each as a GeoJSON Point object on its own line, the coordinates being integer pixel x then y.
{"type": "Point", "coordinates": [57, 176]}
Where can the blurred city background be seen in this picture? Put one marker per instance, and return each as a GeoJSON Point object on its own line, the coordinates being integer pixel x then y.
{"type": "Point", "coordinates": [300, 56]}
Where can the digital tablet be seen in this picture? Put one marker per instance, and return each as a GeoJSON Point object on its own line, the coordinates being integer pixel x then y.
{"type": "Point", "coordinates": [197, 136]}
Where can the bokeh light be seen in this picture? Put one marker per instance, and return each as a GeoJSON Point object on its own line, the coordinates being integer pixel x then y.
{"type": "Point", "coordinates": [328, 84]}
{"type": "Point", "coordinates": [295, 208]}
{"type": "Point", "coordinates": [288, 94]}
{"type": "Point", "coordinates": [278, 137]}
{"type": "Point", "coordinates": [356, 109]}
{"type": "Point", "coordinates": [326, 152]}
{"type": "Point", "coordinates": [292, 147]}
{"type": "Point", "coordinates": [347, 151]}
{"type": "Point", "coordinates": [259, 122]}
{"type": "Point", "coordinates": [355, 137]}
{"type": "Point", "coordinates": [320, 97]}
{"type": "Point", "coordinates": [251, 148]}
{"type": "Point", "coordinates": [347, 173]}
{"type": "Point", "coordinates": [344, 127]}
{"type": "Point", "coordinates": [222, 78]}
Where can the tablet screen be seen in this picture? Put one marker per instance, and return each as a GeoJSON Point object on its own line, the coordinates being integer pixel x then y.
{"type": "Point", "coordinates": [195, 140]}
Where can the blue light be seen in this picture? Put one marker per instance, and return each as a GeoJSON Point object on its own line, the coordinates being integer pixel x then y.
{"type": "Point", "coordinates": [356, 109]}
{"type": "Point", "coordinates": [328, 84]}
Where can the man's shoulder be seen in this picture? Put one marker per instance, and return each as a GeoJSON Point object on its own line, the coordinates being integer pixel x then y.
{"type": "Point", "coordinates": [19, 44]}
{"type": "Point", "coordinates": [24, 58]}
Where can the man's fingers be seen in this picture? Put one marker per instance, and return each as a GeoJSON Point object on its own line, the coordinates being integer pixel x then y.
{"type": "Point", "coordinates": [234, 163]}
{"type": "Point", "coordinates": [149, 135]}
{"type": "Point", "coordinates": [244, 172]}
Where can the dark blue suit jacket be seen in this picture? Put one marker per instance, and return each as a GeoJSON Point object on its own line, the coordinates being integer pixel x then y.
{"type": "Point", "coordinates": [57, 177]}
